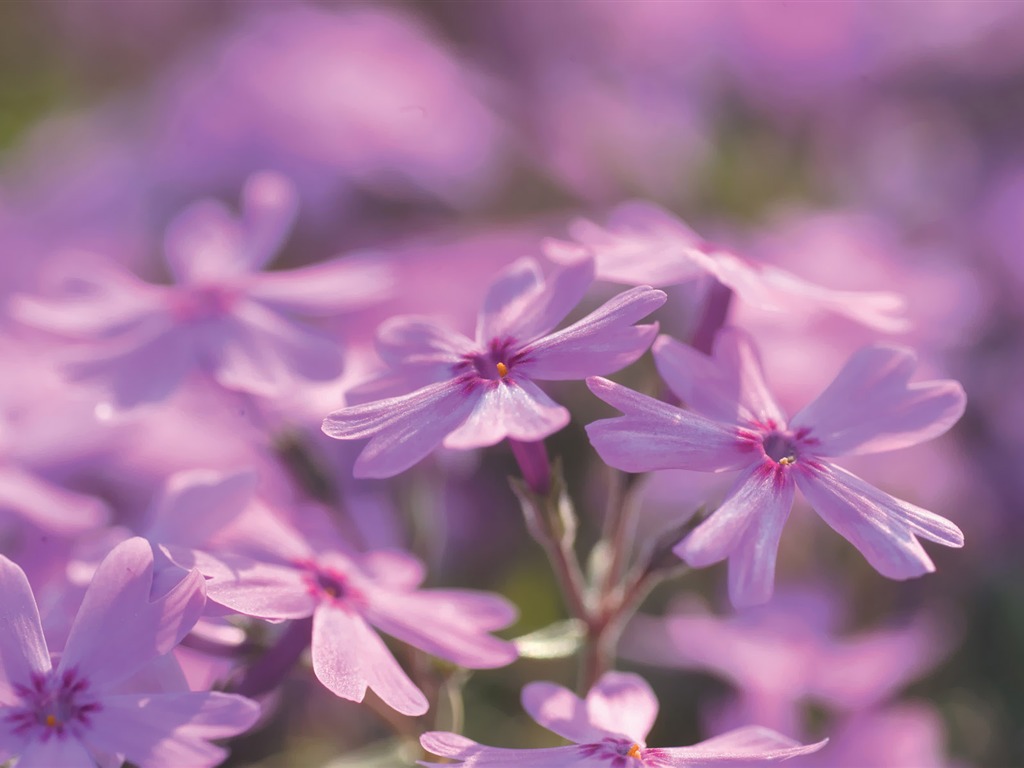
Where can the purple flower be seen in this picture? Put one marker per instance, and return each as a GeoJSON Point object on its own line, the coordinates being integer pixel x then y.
{"type": "Point", "coordinates": [471, 393]}
{"type": "Point", "coordinates": [646, 244]}
{"type": "Point", "coordinates": [346, 594]}
{"type": "Point", "coordinates": [787, 652]}
{"type": "Point", "coordinates": [81, 712]}
{"type": "Point", "coordinates": [223, 316]}
{"type": "Point", "coordinates": [608, 729]}
{"type": "Point", "coordinates": [735, 424]}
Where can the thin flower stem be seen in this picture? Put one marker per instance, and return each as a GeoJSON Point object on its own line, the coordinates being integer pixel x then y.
{"type": "Point", "coordinates": [551, 528]}
{"type": "Point", "coordinates": [569, 575]}
{"type": "Point", "coordinates": [619, 528]}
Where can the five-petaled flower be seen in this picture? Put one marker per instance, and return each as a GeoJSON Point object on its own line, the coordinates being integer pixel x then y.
{"type": "Point", "coordinates": [474, 393]}
{"type": "Point", "coordinates": [86, 709]}
{"type": "Point", "coordinates": [735, 424]}
{"type": "Point", "coordinates": [609, 728]}
{"type": "Point", "coordinates": [346, 593]}
{"type": "Point", "coordinates": [223, 316]}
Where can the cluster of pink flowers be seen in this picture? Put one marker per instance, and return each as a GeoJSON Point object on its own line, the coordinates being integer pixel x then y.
{"type": "Point", "coordinates": [217, 543]}
{"type": "Point", "coordinates": [306, 454]}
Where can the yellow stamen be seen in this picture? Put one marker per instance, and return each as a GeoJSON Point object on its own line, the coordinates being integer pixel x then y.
{"type": "Point", "coordinates": [634, 751]}
{"type": "Point", "coordinates": [51, 721]}
{"type": "Point", "coordinates": [502, 370]}
{"type": "Point", "coordinates": [787, 460]}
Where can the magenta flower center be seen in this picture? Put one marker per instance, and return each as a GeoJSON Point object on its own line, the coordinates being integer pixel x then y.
{"type": "Point", "coordinates": [329, 585]}
{"type": "Point", "coordinates": [780, 448]}
{"type": "Point", "coordinates": [53, 705]}
{"type": "Point", "coordinates": [196, 303]}
{"type": "Point", "coordinates": [496, 364]}
{"type": "Point", "coordinates": [620, 753]}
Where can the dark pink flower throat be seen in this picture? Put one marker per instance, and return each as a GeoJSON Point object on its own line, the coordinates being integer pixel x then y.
{"type": "Point", "coordinates": [53, 705]}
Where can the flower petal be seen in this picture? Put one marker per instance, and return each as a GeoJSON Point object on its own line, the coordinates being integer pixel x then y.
{"type": "Point", "coordinates": [515, 408]}
{"type": "Point", "coordinates": [473, 755]}
{"type": "Point", "coordinates": [729, 386]}
{"type": "Point", "coordinates": [348, 657]}
{"type": "Point", "coordinates": [882, 527]}
{"type": "Point", "coordinates": [119, 597]}
{"type": "Point", "coordinates": [776, 290]}
{"type": "Point", "coordinates": [655, 435]}
{"type": "Point", "coordinates": [144, 367]}
{"type": "Point", "coordinates": [514, 287]}
{"type": "Point", "coordinates": [205, 242]}
{"type": "Point", "coordinates": [752, 561]}
{"type": "Point", "coordinates": [448, 623]}
{"type": "Point", "coordinates": [403, 429]}
{"type": "Point", "coordinates": [95, 298]}
{"type": "Point", "coordinates": [23, 649]}
{"type": "Point", "coordinates": [602, 342]}
{"type": "Point", "coordinates": [194, 504]}
{"type": "Point", "coordinates": [643, 245]}
{"type": "Point", "coordinates": [48, 506]}
{"type": "Point", "coordinates": [257, 350]}
{"type": "Point", "coordinates": [522, 305]}
{"type": "Point", "coordinates": [746, 529]}
{"type": "Point", "coordinates": [414, 340]}
{"type": "Point", "coordinates": [872, 407]}
{"type": "Point", "coordinates": [250, 587]}
{"type": "Point", "coordinates": [393, 568]}
{"type": "Point", "coordinates": [333, 287]}
{"type": "Point", "coordinates": [623, 703]}
{"type": "Point", "coordinates": [270, 204]}
{"type": "Point", "coordinates": [751, 742]}
{"type": "Point", "coordinates": [170, 730]}
{"type": "Point", "coordinates": [65, 753]}
{"type": "Point", "coordinates": [561, 711]}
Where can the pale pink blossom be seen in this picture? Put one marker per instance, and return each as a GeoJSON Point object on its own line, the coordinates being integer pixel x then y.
{"type": "Point", "coordinates": [609, 730]}
{"type": "Point", "coordinates": [734, 423]}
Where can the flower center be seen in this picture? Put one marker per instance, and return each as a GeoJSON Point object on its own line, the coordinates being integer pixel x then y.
{"type": "Point", "coordinates": [53, 704]}
{"type": "Point", "coordinates": [331, 585]}
{"type": "Point", "coordinates": [780, 448]}
{"type": "Point", "coordinates": [621, 753]}
{"type": "Point", "coordinates": [328, 584]}
{"type": "Point", "coordinates": [196, 303]}
{"type": "Point", "coordinates": [494, 365]}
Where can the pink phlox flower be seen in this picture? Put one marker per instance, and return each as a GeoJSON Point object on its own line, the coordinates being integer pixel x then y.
{"type": "Point", "coordinates": [609, 728]}
{"type": "Point", "coordinates": [471, 393]}
{"type": "Point", "coordinates": [735, 424]}
{"type": "Point", "coordinates": [645, 244]}
{"type": "Point", "coordinates": [348, 594]}
{"type": "Point", "coordinates": [223, 316]}
{"type": "Point", "coordinates": [785, 653]}
{"type": "Point", "coordinates": [77, 713]}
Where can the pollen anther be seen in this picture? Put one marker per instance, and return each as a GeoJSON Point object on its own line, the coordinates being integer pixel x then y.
{"type": "Point", "coordinates": [787, 460]}
{"type": "Point", "coordinates": [502, 370]}
{"type": "Point", "coordinates": [51, 720]}
{"type": "Point", "coordinates": [634, 751]}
